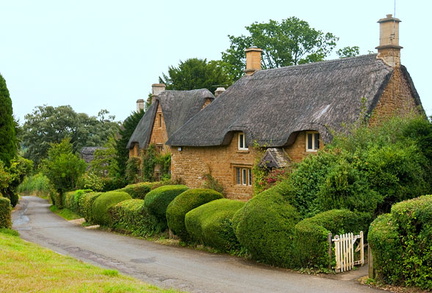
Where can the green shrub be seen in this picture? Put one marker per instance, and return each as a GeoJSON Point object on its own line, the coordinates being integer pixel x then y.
{"type": "Point", "coordinates": [72, 200]}
{"type": "Point", "coordinates": [104, 202]}
{"type": "Point", "coordinates": [158, 199]}
{"type": "Point", "coordinates": [184, 203]}
{"type": "Point", "coordinates": [211, 224]}
{"type": "Point", "coordinates": [265, 227]}
{"type": "Point", "coordinates": [311, 235]}
{"type": "Point", "coordinates": [38, 185]}
{"type": "Point", "coordinates": [132, 216]}
{"type": "Point", "coordinates": [86, 204]}
{"type": "Point", "coordinates": [138, 190]}
{"type": "Point", "coordinates": [5, 213]}
{"type": "Point", "coordinates": [401, 245]}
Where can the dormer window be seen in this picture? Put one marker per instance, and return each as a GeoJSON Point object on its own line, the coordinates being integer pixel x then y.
{"type": "Point", "coordinates": [312, 141]}
{"type": "Point", "coordinates": [242, 142]}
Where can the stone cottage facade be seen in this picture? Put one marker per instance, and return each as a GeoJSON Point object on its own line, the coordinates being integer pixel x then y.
{"type": "Point", "coordinates": [289, 112]}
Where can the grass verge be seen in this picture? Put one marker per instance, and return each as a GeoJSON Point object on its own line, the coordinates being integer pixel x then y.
{"type": "Point", "coordinates": [27, 267]}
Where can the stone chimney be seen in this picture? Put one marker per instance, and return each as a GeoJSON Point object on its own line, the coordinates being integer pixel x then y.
{"type": "Point", "coordinates": [157, 88]}
{"type": "Point", "coordinates": [389, 49]}
{"type": "Point", "coordinates": [140, 105]}
{"type": "Point", "coordinates": [253, 60]}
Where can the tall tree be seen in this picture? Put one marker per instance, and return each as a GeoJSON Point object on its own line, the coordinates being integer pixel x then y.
{"type": "Point", "coordinates": [196, 73]}
{"type": "Point", "coordinates": [47, 124]}
{"type": "Point", "coordinates": [127, 128]}
{"type": "Point", "coordinates": [62, 167]}
{"type": "Point", "coordinates": [8, 145]}
{"type": "Point", "coordinates": [289, 42]}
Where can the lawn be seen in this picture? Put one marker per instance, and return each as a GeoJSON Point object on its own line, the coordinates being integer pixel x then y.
{"type": "Point", "coordinates": [27, 267]}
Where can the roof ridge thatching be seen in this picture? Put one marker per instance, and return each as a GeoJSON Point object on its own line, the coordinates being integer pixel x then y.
{"type": "Point", "coordinates": [177, 107]}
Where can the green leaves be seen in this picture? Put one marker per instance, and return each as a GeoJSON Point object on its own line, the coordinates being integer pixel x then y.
{"type": "Point", "coordinates": [47, 124]}
{"type": "Point", "coordinates": [289, 42]}
{"type": "Point", "coordinates": [197, 73]}
{"type": "Point", "coordinates": [62, 167]}
{"type": "Point", "coordinates": [8, 142]}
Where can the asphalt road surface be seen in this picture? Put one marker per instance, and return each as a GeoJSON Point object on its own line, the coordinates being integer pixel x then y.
{"type": "Point", "coordinates": [167, 266]}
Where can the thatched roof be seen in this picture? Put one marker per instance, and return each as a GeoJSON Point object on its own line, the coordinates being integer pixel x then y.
{"type": "Point", "coordinates": [274, 158]}
{"type": "Point", "coordinates": [177, 108]}
{"type": "Point", "coordinates": [87, 153]}
{"type": "Point", "coordinates": [272, 106]}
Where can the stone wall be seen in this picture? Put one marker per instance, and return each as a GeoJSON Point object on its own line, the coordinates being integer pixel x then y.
{"type": "Point", "coordinates": [396, 100]}
{"type": "Point", "coordinates": [190, 164]}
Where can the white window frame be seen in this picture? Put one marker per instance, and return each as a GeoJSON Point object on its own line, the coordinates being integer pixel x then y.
{"type": "Point", "coordinates": [312, 141]}
{"type": "Point", "coordinates": [241, 138]}
{"type": "Point", "coordinates": [243, 176]}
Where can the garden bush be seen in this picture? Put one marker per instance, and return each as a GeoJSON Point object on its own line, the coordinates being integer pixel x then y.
{"type": "Point", "coordinates": [132, 216]}
{"type": "Point", "coordinates": [211, 224]}
{"type": "Point", "coordinates": [103, 202]}
{"type": "Point", "coordinates": [158, 199]}
{"type": "Point", "coordinates": [311, 235]}
{"type": "Point", "coordinates": [401, 243]}
{"type": "Point", "coordinates": [38, 185]}
{"type": "Point", "coordinates": [184, 203]}
{"type": "Point", "coordinates": [72, 200]}
{"type": "Point", "coordinates": [86, 204]}
{"type": "Point", "coordinates": [138, 190]}
{"type": "Point", "coordinates": [265, 227]}
{"type": "Point", "coordinates": [5, 213]}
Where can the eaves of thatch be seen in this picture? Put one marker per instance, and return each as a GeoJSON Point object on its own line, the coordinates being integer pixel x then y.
{"type": "Point", "coordinates": [272, 106]}
{"type": "Point", "coordinates": [177, 108]}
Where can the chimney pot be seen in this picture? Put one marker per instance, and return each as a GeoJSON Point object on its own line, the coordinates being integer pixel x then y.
{"type": "Point", "coordinates": [389, 49]}
{"type": "Point", "coordinates": [157, 88]}
{"type": "Point", "coordinates": [253, 60]}
{"type": "Point", "coordinates": [219, 91]}
{"type": "Point", "coordinates": [140, 104]}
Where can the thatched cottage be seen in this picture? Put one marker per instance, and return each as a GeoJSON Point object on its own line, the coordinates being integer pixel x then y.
{"type": "Point", "coordinates": [168, 111]}
{"type": "Point", "coordinates": [291, 112]}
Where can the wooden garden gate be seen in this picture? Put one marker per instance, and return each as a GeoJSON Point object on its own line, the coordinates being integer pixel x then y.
{"type": "Point", "coordinates": [347, 253]}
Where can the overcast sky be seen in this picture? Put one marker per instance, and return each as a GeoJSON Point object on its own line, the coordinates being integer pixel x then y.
{"type": "Point", "coordinates": [106, 54]}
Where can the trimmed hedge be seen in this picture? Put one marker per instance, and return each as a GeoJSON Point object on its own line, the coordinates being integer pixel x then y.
{"type": "Point", "coordinates": [139, 190]}
{"type": "Point", "coordinates": [5, 213]}
{"type": "Point", "coordinates": [211, 224]}
{"type": "Point", "coordinates": [310, 241]}
{"type": "Point", "coordinates": [103, 202]}
{"type": "Point", "coordinates": [132, 216]}
{"type": "Point", "coordinates": [265, 227]}
{"type": "Point", "coordinates": [86, 204]}
{"type": "Point", "coordinates": [184, 203]}
{"type": "Point", "coordinates": [158, 199]}
{"type": "Point", "coordinates": [401, 244]}
{"type": "Point", "coordinates": [72, 200]}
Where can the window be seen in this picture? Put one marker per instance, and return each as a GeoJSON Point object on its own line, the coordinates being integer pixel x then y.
{"type": "Point", "coordinates": [312, 141]}
{"type": "Point", "coordinates": [242, 141]}
{"type": "Point", "coordinates": [160, 119]}
{"type": "Point", "coordinates": [243, 176]}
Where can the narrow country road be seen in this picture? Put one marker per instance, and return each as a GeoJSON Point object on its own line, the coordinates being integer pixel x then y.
{"type": "Point", "coordinates": [166, 266]}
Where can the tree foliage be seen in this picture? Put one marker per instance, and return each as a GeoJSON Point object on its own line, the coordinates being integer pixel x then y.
{"type": "Point", "coordinates": [289, 42]}
{"type": "Point", "coordinates": [126, 131]}
{"type": "Point", "coordinates": [63, 167]}
{"type": "Point", "coordinates": [47, 125]}
{"type": "Point", "coordinates": [196, 73]}
{"type": "Point", "coordinates": [366, 171]}
{"type": "Point", "coordinates": [8, 144]}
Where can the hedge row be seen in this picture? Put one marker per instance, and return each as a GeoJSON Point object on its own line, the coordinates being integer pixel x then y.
{"type": "Point", "coordinates": [401, 244]}
{"type": "Point", "coordinates": [5, 213]}
{"type": "Point", "coordinates": [131, 216]}
{"type": "Point", "coordinates": [184, 203]}
{"type": "Point", "coordinates": [267, 226]}
{"type": "Point", "coordinates": [211, 224]}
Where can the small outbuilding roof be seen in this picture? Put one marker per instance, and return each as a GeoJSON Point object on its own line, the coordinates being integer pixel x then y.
{"type": "Point", "coordinates": [272, 106]}
{"type": "Point", "coordinates": [177, 108]}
